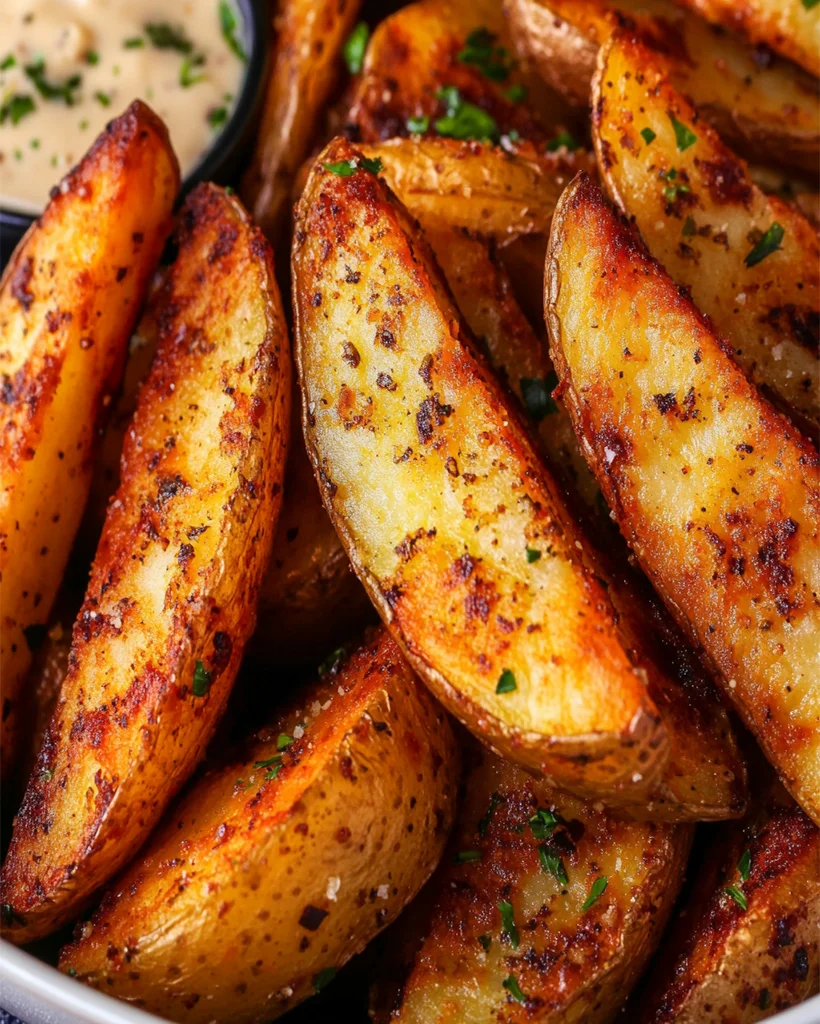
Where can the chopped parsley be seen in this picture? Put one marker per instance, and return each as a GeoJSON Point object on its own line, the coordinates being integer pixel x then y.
{"type": "Point", "coordinates": [466, 856]}
{"type": "Point", "coordinates": [283, 741]}
{"type": "Point", "coordinates": [273, 765]}
{"type": "Point", "coordinates": [463, 120]}
{"type": "Point", "coordinates": [737, 896]}
{"type": "Point", "coordinates": [72, 972]}
{"type": "Point", "coordinates": [552, 864]}
{"type": "Point", "coordinates": [512, 986]}
{"type": "Point", "coordinates": [595, 893]}
{"type": "Point", "coordinates": [102, 98]}
{"type": "Point", "coordinates": [35, 143]}
{"type": "Point", "coordinates": [677, 188]}
{"type": "Point", "coordinates": [92, 57]}
{"type": "Point", "coordinates": [648, 135]}
{"type": "Point", "coordinates": [333, 662]}
{"type": "Point", "coordinates": [769, 243]}
{"type": "Point", "coordinates": [16, 108]}
{"type": "Point", "coordinates": [324, 978]}
{"type": "Point", "coordinates": [418, 125]}
{"type": "Point", "coordinates": [217, 117]}
{"type": "Point", "coordinates": [684, 136]}
{"type": "Point", "coordinates": [166, 37]}
{"type": "Point", "coordinates": [533, 554]}
{"type": "Point", "coordinates": [344, 168]}
{"type": "Point", "coordinates": [484, 824]}
{"type": "Point", "coordinates": [543, 823]}
{"type": "Point", "coordinates": [83, 124]}
{"type": "Point", "coordinates": [563, 140]}
{"type": "Point", "coordinates": [744, 865]}
{"type": "Point", "coordinates": [480, 51]}
{"type": "Point", "coordinates": [355, 46]}
{"type": "Point", "coordinates": [202, 680]}
{"type": "Point", "coordinates": [133, 43]}
{"type": "Point", "coordinates": [8, 62]}
{"type": "Point", "coordinates": [187, 77]}
{"type": "Point", "coordinates": [689, 227]}
{"type": "Point", "coordinates": [50, 90]}
{"type": "Point", "coordinates": [537, 395]}
{"type": "Point", "coordinates": [809, 4]}
{"type": "Point", "coordinates": [506, 682]}
{"type": "Point", "coordinates": [517, 93]}
{"type": "Point", "coordinates": [228, 24]}
{"type": "Point", "coordinates": [485, 941]}
{"type": "Point", "coordinates": [508, 927]}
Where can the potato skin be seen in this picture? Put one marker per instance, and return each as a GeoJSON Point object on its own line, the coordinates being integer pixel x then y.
{"type": "Point", "coordinates": [68, 300]}
{"type": "Point", "coordinates": [570, 964]}
{"type": "Point", "coordinates": [175, 579]}
{"type": "Point", "coordinates": [769, 313]}
{"type": "Point", "coordinates": [309, 35]}
{"type": "Point", "coordinates": [717, 494]}
{"type": "Point", "coordinates": [252, 888]}
{"type": "Point", "coordinates": [720, 964]}
{"type": "Point", "coordinates": [756, 106]}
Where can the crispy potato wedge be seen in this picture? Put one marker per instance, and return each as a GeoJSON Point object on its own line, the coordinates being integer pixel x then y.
{"type": "Point", "coordinates": [505, 934]}
{"type": "Point", "coordinates": [724, 962]}
{"type": "Point", "coordinates": [756, 105]}
{"type": "Point", "coordinates": [791, 28]}
{"type": "Point", "coordinates": [704, 220]}
{"type": "Point", "coordinates": [309, 35]}
{"type": "Point", "coordinates": [68, 300]}
{"type": "Point", "coordinates": [717, 493]}
{"type": "Point", "coordinates": [438, 493]}
{"type": "Point", "coordinates": [171, 598]}
{"type": "Point", "coordinates": [265, 879]}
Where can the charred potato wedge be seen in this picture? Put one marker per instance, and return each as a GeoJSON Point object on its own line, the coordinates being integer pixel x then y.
{"type": "Point", "coordinates": [789, 27]}
{"type": "Point", "coordinates": [172, 594]}
{"type": "Point", "coordinates": [438, 494]}
{"type": "Point", "coordinates": [68, 300]}
{"type": "Point", "coordinates": [756, 105]}
{"type": "Point", "coordinates": [751, 261]}
{"type": "Point", "coordinates": [309, 35]}
{"type": "Point", "coordinates": [715, 491]}
{"type": "Point", "coordinates": [287, 861]}
{"type": "Point", "coordinates": [519, 927]}
{"type": "Point", "coordinates": [747, 946]}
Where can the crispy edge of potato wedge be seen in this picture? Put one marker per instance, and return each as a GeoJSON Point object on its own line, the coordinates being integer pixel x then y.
{"type": "Point", "coordinates": [469, 614]}
{"type": "Point", "coordinates": [716, 492]}
{"type": "Point", "coordinates": [791, 29]}
{"type": "Point", "coordinates": [755, 106]}
{"type": "Point", "coordinates": [699, 214]}
{"type": "Point", "coordinates": [722, 961]}
{"type": "Point", "coordinates": [309, 35]}
{"type": "Point", "coordinates": [171, 599]}
{"type": "Point", "coordinates": [288, 860]}
{"type": "Point", "coordinates": [68, 300]}
{"type": "Point", "coordinates": [508, 906]}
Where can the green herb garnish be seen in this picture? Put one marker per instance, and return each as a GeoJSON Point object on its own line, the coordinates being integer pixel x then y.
{"type": "Point", "coordinates": [595, 893]}
{"type": "Point", "coordinates": [537, 395]}
{"type": "Point", "coordinates": [15, 108]}
{"type": "Point", "coordinates": [485, 941]}
{"type": "Point", "coordinates": [355, 47]}
{"type": "Point", "coordinates": [49, 90]}
{"type": "Point", "coordinates": [228, 24]}
{"type": "Point", "coordinates": [202, 680]}
{"type": "Point", "coordinates": [648, 135]}
{"type": "Point", "coordinates": [102, 98]}
{"type": "Point", "coordinates": [808, 4]}
{"type": "Point", "coordinates": [506, 682]}
{"type": "Point", "coordinates": [217, 117]}
{"type": "Point", "coordinates": [684, 136]}
{"type": "Point", "coordinates": [8, 62]}
{"type": "Point", "coordinates": [552, 864]}
{"type": "Point", "coordinates": [166, 37]}
{"type": "Point", "coordinates": [374, 166]}
{"type": "Point", "coordinates": [508, 927]}
{"type": "Point", "coordinates": [344, 168]}
{"type": "Point", "coordinates": [768, 244]}
{"type": "Point", "coordinates": [92, 57]}
{"type": "Point", "coordinates": [332, 661]}
{"type": "Point", "coordinates": [543, 823]}
{"type": "Point", "coordinates": [72, 972]}
{"type": "Point", "coordinates": [283, 741]}
{"type": "Point", "coordinates": [418, 125]}
{"type": "Point", "coordinates": [737, 896]}
{"type": "Point", "coordinates": [533, 554]}
{"type": "Point", "coordinates": [187, 78]}
{"type": "Point", "coordinates": [744, 865]}
{"type": "Point", "coordinates": [480, 50]}
{"type": "Point", "coordinates": [512, 986]}
{"type": "Point", "coordinates": [133, 43]}
{"type": "Point", "coordinates": [484, 824]}
{"type": "Point", "coordinates": [517, 93]}
{"type": "Point", "coordinates": [563, 140]}
{"type": "Point", "coordinates": [463, 120]}
{"type": "Point", "coordinates": [324, 978]}
{"type": "Point", "coordinates": [274, 765]}
{"type": "Point", "coordinates": [689, 227]}
{"type": "Point", "coordinates": [466, 856]}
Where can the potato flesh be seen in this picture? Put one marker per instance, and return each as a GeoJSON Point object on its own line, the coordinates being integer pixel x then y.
{"type": "Point", "coordinates": [273, 881]}
{"type": "Point", "coordinates": [176, 574]}
{"type": "Point", "coordinates": [717, 493]}
{"type": "Point", "coordinates": [63, 339]}
{"type": "Point", "coordinates": [570, 963]}
{"type": "Point", "coordinates": [769, 313]}
{"type": "Point", "coordinates": [752, 103]}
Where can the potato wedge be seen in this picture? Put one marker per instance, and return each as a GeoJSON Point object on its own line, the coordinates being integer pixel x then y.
{"type": "Point", "coordinates": [508, 936]}
{"type": "Point", "coordinates": [172, 594]}
{"type": "Point", "coordinates": [717, 493]}
{"type": "Point", "coordinates": [438, 493]}
{"type": "Point", "coordinates": [704, 220]}
{"type": "Point", "coordinates": [791, 28]}
{"type": "Point", "coordinates": [285, 862]}
{"type": "Point", "coordinates": [757, 105]}
{"type": "Point", "coordinates": [48, 670]}
{"type": "Point", "coordinates": [309, 35]}
{"type": "Point", "coordinates": [63, 336]}
{"type": "Point", "coordinates": [723, 961]}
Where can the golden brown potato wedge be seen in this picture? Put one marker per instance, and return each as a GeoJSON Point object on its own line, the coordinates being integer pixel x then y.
{"type": "Point", "coordinates": [717, 493]}
{"type": "Point", "coordinates": [752, 261]}
{"type": "Point", "coordinates": [790, 27]}
{"type": "Point", "coordinates": [758, 105]}
{"type": "Point", "coordinates": [172, 594]}
{"type": "Point", "coordinates": [309, 35]}
{"type": "Point", "coordinates": [745, 955]}
{"type": "Point", "coordinates": [273, 870]}
{"type": "Point", "coordinates": [507, 932]}
{"type": "Point", "coordinates": [68, 300]}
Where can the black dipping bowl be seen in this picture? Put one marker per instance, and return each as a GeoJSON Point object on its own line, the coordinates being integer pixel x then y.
{"type": "Point", "coordinates": [222, 163]}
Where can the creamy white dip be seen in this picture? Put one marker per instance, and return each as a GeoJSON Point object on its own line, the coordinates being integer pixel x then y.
{"type": "Point", "coordinates": [68, 66]}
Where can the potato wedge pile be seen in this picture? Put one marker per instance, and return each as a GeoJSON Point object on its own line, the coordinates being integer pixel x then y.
{"type": "Point", "coordinates": [548, 407]}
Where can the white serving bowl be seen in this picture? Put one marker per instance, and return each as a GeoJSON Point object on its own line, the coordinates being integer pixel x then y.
{"type": "Point", "coordinates": [39, 994]}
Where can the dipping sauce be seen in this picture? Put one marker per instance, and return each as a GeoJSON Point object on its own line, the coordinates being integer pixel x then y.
{"type": "Point", "coordinates": [68, 66]}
